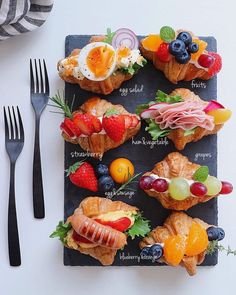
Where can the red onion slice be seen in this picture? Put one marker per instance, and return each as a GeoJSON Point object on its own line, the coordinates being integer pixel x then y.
{"type": "Point", "coordinates": [125, 37]}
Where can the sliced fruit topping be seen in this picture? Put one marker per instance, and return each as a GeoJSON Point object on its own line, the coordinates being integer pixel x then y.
{"type": "Point", "coordinates": [217, 65]}
{"type": "Point", "coordinates": [179, 188]}
{"type": "Point", "coordinates": [128, 121]}
{"type": "Point", "coordinates": [152, 42]}
{"type": "Point", "coordinates": [213, 185]}
{"type": "Point", "coordinates": [220, 115]}
{"type": "Point", "coordinates": [135, 121]}
{"type": "Point", "coordinates": [174, 249]}
{"type": "Point", "coordinates": [121, 224]}
{"type": "Point", "coordinates": [163, 52]}
{"type": "Point", "coordinates": [97, 125]}
{"type": "Point", "coordinates": [198, 189]}
{"type": "Point", "coordinates": [206, 60]}
{"type": "Point", "coordinates": [84, 123]}
{"type": "Point", "coordinates": [160, 185]}
{"type": "Point", "coordinates": [83, 175]}
{"type": "Point", "coordinates": [145, 182]}
{"type": "Point", "coordinates": [106, 183]}
{"type": "Point", "coordinates": [215, 233]}
{"type": "Point", "coordinates": [213, 105]}
{"type": "Point", "coordinates": [201, 47]}
{"type": "Point", "coordinates": [121, 170]}
{"type": "Point", "coordinates": [69, 128]}
{"type": "Point", "coordinates": [197, 240]}
{"type": "Point", "coordinates": [185, 37]}
{"type": "Point", "coordinates": [227, 188]}
{"type": "Point", "coordinates": [114, 125]}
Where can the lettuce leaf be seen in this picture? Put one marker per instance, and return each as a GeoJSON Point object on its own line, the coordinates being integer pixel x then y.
{"type": "Point", "coordinates": [140, 228]}
{"type": "Point", "coordinates": [163, 97]}
{"type": "Point", "coordinates": [134, 68]}
{"type": "Point", "coordinates": [61, 231]}
{"type": "Point", "coordinates": [155, 131]}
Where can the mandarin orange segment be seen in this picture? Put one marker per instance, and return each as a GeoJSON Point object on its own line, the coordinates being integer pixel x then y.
{"type": "Point", "coordinates": [174, 249]}
{"type": "Point", "coordinates": [197, 240]}
{"type": "Point", "coordinates": [202, 46]}
{"type": "Point", "coordinates": [152, 42]}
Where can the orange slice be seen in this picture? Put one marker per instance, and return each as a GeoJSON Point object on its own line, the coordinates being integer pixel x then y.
{"type": "Point", "coordinates": [197, 240]}
{"type": "Point", "coordinates": [174, 249]}
{"type": "Point", "coordinates": [220, 115]}
{"type": "Point", "coordinates": [152, 42]}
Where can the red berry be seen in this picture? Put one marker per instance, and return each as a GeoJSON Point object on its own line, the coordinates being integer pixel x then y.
{"type": "Point", "coordinates": [163, 52]}
{"type": "Point", "coordinates": [198, 189]}
{"type": "Point", "coordinates": [227, 188]}
{"type": "Point", "coordinates": [114, 125]}
{"type": "Point", "coordinates": [135, 121]}
{"type": "Point", "coordinates": [128, 121]}
{"type": "Point", "coordinates": [206, 60]}
{"type": "Point", "coordinates": [217, 65]}
{"type": "Point", "coordinates": [145, 182]}
{"type": "Point", "coordinates": [84, 123]}
{"type": "Point", "coordinates": [160, 185]}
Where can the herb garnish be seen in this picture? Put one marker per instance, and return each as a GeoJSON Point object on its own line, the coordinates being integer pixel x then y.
{"type": "Point", "coordinates": [61, 231]}
{"type": "Point", "coordinates": [167, 34]}
{"type": "Point", "coordinates": [140, 228]}
{"type": "Point", "coordinates": [201, 174]}
{"type": "Point", "coordinates": [214, 246]}
{"type": "Point", "coordinates": [109, 36]}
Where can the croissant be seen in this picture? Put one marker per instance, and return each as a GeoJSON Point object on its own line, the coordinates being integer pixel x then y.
{"type": "Point", "coordinates": [176, 165]}
{"type": "Point", "coordinates": [98, 143]}
{"type": "Point", "coordinates": [67, 67]}
{"type": "Point", "coordinates": [175, 71]}
{"type": "Point", "coordinates": [178, 135]}
{"type": "Point", "coordinates": [178, 223]}
{"type": "Point", "coordinates": [102, 241]}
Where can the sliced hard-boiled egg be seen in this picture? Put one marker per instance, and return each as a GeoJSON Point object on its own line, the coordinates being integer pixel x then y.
{"type": "Point", "coordinates": [97, 61]}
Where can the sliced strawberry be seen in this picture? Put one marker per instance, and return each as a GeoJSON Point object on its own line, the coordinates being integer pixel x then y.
{"type": "Point", "coordinates": [128, 121]}
{"type": "Point", "coordinates": [68, 127]}
{"type": "Point", "coordinates": [114, 125]}
{"type": "Point", "coordinates": [84, 123]}
{"type": "Point", "coordinates": [135, 121]}
{"type": "Point", "coordinates": [97, 125]}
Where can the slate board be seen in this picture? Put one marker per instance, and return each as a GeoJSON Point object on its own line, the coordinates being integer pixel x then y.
{"type": "Point", "coordinates": [143, 156]}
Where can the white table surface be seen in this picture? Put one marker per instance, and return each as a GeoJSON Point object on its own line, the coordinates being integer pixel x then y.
{"type": "Point", "coordinates": [42, 271]}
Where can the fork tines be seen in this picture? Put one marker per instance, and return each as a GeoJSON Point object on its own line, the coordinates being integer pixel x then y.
{"type": "Point", "coordinates": [38, 78]}
{"type": "Point", "coordinates": [13, 124]}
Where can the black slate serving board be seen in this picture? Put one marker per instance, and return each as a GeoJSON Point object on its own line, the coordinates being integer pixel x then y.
{"type": "Point", "coordinates": [140, 89]}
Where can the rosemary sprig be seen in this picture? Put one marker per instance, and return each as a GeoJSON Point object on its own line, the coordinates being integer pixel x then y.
{"type": "Point", "coordinates": [213, 246]}
{"type": "Point", "coordinates": [131, 179]}
{"type": "Point", "coordinates": [61, 104]}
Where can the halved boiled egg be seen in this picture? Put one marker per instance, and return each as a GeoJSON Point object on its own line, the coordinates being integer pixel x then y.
{"type": "Point", "coordinates": [97, 61]}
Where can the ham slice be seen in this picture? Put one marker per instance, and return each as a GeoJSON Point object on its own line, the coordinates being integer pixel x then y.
{"type": "Point", "coordinates": [185, 115]}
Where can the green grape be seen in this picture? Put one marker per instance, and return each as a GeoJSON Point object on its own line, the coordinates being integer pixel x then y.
{"type": "Point", "coordinates": [179, 188]}
{"type": "Point", "coordinates": [213, 185]}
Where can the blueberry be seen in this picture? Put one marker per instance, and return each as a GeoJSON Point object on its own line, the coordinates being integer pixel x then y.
{"type": "Point", "coordinates": [145, 251]}
{"type": "Point", "coordinates": [177, 47]}
{"type": "Point", "coordinates": [183, 58]}
{"type": "Point", "coordinates": [156, 251]}
{"type": "Point", "coordinates": [185, 37]}
{"type": "Point", "coordinates": [215, 233]}
{"type": "Point", "coordinates": [193, 47]}
{"type": "Point", "coordinates": [106, 183]}
{"type": "Point", "coordinates": [102, 169]}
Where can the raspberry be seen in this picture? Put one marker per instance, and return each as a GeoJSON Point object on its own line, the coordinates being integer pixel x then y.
{"type": "Point", "coordinates": [217, 65]}
{"type": "Point", "coordinates": [163, 52]}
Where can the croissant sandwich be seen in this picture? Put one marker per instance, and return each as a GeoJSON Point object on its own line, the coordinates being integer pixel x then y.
{"type": "Point", "coordinates": [180, 55]}
{"type": "Point", "coordinates": [99, 227]}
{"type": "Point", "coordinates": [182, 240]}
{"type": "Point", "coordinates": [182, 116]}
{"type": "Point", "coordinates": [98, 125]}
{"type": "Point", "coordinates": [104, 63]}
{"type": "Point", "coordinates": [180, 184]}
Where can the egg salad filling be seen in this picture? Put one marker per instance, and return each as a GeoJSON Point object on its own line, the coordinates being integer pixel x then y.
{"type": "Point", "coordinates": [98, 60]}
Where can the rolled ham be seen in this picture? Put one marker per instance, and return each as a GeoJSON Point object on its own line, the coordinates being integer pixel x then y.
{"type": "Point", "coordinates": [185, 115]}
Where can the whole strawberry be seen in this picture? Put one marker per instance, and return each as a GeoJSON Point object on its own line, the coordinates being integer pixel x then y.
{"type": "Point", "coordinates": [83, 175]}
{"type": "Point", "coordinates": [114, 124]}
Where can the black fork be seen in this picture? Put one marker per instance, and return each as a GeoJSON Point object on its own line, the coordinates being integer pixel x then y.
{"type": "Point", "coordinates": [14, 141]}
{"type": "Point", "coordinates": [39, 90]}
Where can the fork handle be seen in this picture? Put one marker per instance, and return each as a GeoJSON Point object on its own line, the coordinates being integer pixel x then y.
{"type": "Point", "coordinates": [13, 235]}
{"type": "Point", "coordinates": [38, 196]}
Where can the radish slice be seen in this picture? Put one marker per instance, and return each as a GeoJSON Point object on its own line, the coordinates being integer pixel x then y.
{"type": "Point", "coordinates": [125, 37]}
{"type": "Point", "coordinates": [158, 105]}
{"type": "Point", "coordinates": [147, 114]}
{"type": "Point", "coordinates": [213, 105]}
